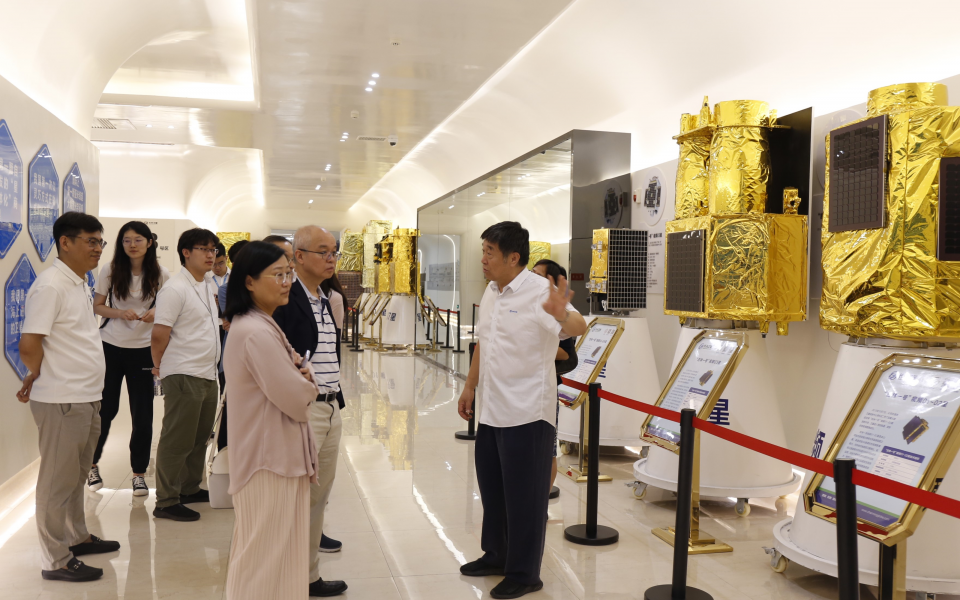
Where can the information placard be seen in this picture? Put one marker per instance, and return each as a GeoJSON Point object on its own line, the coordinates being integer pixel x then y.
{"type": "Point", "coordinates": [43, 201]}
{"type": "Point", "coordinates": [697, 382]}
{"type": "Point", "coordinates": [74, 192]}
{"type": "Point", "coordinates": [900, 428]}
{"type": "Point", "coordinates": [14, 301]}
{"type": "Point", "coordinates": [11, 190]}
{"type": "Point", "coordinates": [593, 350]}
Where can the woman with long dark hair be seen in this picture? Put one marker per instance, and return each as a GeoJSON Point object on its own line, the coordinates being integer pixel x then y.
{"type": "Point", "coordinates": [125, 296]}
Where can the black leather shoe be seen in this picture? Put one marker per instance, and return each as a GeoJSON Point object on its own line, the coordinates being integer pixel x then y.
{"type": "Point", "coordinates": [76, 571]}
{"type": "Point", "coordinates": [478, 568]}
{"type": "Point", "coordinates": [177, 512]}
{"type": "Point", "coordinates": [201, 496]}
{"type": "Point", "coordinates": [512, 589]}
{"type": "Point", "coordinates": [94, 546]}
{"type": "Point", "coordinates": [554, 492]}
{"type": "Point", "coordinates": [322, 589]}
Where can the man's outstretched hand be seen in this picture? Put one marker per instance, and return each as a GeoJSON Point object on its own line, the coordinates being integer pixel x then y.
{"type": "Point", "coordinates": [560, 296]}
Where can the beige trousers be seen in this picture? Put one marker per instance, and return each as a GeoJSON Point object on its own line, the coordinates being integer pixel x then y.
{"type": "Point", "coordinates": [268, 556]}
{"type": "Point", "coordinates": [325, 422]}
{"type": "Point", "coordinates": [68, 436]}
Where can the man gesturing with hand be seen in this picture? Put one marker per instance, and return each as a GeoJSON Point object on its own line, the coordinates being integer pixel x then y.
{"type": "Point", "coordinates": [522, 317]}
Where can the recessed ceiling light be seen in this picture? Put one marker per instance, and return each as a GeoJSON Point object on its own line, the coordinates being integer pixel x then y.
{"type": "Point", "coordinates": [170, 127]}
{"type": "Point", "coordinates": [328, 166]}
{"type": "Point", "coordinates": [345, 133]}
{"type": "Point", "coordinates": [311, 200]}
{"type": "Point", "coordinates": [369, 89]}
{"type": "Point", "coordinates": [371, 82]}
{"type": "Point", "coordinates": [480, 194]}
{"type": "Point", "coordinates": [375, 75]}
{"type": "Point", "coordinates": [149, 125]}
{"type": "Point", "coordinates": [342, 140]}
{"type": "Point", "coordinates": [318, 187]}
{"type": "Point", "coordinates": [449, 207]}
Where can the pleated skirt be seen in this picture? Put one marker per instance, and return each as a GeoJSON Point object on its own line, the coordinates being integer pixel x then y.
{"type": "Point", "coordinates": [269, 556]}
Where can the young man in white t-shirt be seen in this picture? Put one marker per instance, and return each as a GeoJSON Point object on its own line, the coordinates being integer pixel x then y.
{"type": "Point", "coordinates": [522, 317]}
{"type": "Point", "coordinates": [60, 345]}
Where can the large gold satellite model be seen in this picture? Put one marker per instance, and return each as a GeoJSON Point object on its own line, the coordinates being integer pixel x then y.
{"type": "Point", "coordinates": [891, 218]}
{"type": "Point", "coordinates": [397, 266]}
{"type": "Point", "coordinates": [373, 232]}
{"type": "Point", "coordinates": [727, 256]}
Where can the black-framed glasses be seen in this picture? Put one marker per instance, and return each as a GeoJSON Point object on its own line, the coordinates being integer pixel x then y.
{"type": "Point", "coordinates": [92, 242]}
{"type": "Point", "coordinates": [215, 251]}
{"type": "Point", "coordinates": [323, 255]}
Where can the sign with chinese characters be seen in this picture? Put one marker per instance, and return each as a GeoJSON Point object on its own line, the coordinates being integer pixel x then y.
{"type": "Point", "coordinates": [697, 382]}
{"type": "Point", "coordinates": [74, 193]}
{"type": "Point", "coordinates": [900, 427]}
{"type": "Point", "coordinates": [593, 350]}
{"type": "Point", "coordinates": [11, 190]}
{"type": "Point", "coordinates": [43, 201]}
{"type": "Point", "coordinates": [14, 301]}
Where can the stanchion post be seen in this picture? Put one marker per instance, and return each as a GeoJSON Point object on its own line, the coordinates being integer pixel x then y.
{"type": "Point", "coordinates": [446, 344]}
{"type": "Point", "coordinates": [458, 350]}
{"type": "Point", "coordinates": [473, 322]}
{"type": "Point", "coordinates": [356, 332]}
{"type": "Point", "coordinates": [678, 588]}
{"type": "Point", "coordinates": [471, 432]}
{"type": "Point", "coordinates": [848, 565]}
{"type": "Point", "coordinates": [590, 533]}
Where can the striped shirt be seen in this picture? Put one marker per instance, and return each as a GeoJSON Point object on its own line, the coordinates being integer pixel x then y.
{"type": "Point", "coordinates": [326, 367]}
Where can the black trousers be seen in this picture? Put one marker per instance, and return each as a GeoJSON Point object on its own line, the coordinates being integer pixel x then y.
{"type": "Point", "coordinates": [135, 365]}
{"type": "Point", "coordinates": [513, 471]}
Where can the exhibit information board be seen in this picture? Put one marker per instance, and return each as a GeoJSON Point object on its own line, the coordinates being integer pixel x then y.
{"type": "Point", "coordinates": [43, 201]}
{"type": "Point", "coordinates": [74, 192]}
{"type": "Point", "coordinates": [697, 381]}
{"type": "Point", "coordinates": [11, 190]}
{"type": "Point", "coordinates": [896, 434]}
{"type": "Point", "coordinates": [14, 302]}
{"type": "Point", "coordinates": [593, 350]}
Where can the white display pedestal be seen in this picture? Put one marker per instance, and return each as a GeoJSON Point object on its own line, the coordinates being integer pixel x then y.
{"type": "Point", "coordinates": [630, 372]}
{"type": "Point", "coordinates": [727, 470]}
{"type": "Point", "coordinates": [932, 565]}
{"type": "Point", "coordinates": [400, 321]}
{"type": "Point", "coordinates": [365, 330]}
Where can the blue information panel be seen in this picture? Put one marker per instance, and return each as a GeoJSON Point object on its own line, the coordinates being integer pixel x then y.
{"type": "Point", "coordinates": [74, 194]}
{"type": "Point", "coordinates": [43, 202]}
{"type": "Point", "coordinates": [14, 301]}
{"type": "Point", "coordinates": [11, 190]}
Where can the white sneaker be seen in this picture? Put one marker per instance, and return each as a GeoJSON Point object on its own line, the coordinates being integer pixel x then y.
{"type": "Point", "coordinates": [140, 486]}
{"type": "Point", "coordinates": [93, 479]}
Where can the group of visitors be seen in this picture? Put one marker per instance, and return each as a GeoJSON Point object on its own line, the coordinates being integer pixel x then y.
{"type": "Point", "coordinates": [264, 336]}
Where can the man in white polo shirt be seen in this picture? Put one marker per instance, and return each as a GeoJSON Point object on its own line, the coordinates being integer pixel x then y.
{"type": "Point", "coordinates": [60, 345]}
{"type": "Point", "coordinates": [522, 317]}
{"type": "Point", "coordinates": [186, 349]}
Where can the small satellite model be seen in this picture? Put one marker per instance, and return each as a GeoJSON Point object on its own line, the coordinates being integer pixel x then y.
{"type": "Point", "coordinates": [706, 377]}
{"type": "Point", "coordinates": [914, 428]}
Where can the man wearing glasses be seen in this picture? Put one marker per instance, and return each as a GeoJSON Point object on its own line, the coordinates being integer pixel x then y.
{"type": "Point", "coordinates": [307, 321]}
{"type": "Point", "coordinates": [60, 345]}
{"type": "Point", "coordinates": [186, 349]}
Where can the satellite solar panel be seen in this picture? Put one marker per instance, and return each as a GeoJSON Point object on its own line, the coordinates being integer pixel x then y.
{"type": "Point", "coordinates": [685, 261]}
{"type": "Point", "coordinates": [627, 270]}
{"type": "Point", "coordinates": [858, 165]}
{"type": "Point", "coordinates": [948, 234]}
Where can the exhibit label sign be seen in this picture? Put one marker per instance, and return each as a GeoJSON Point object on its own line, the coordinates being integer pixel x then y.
{"type": "Point", "coordinates": [14, 303]}
{"type": "Point", "coordinates": [43, 201]}
{"type": "Point", "coordinates": [697, 382]}
{"type": "Point", "coordinates": [593, 350]}
{"type": "Point", "coordinates": [900, 428]}
{"type": "Point", "coordinates": [11, 190]}
{"type": "Point", "coordinates": [74, 192]}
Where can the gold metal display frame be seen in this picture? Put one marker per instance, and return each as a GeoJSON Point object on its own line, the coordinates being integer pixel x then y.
{"type": "Point", "coordinates": [893, 536]}
{"type": "Point", "coordinates": [579, 472]}
{"type": "Point", "coordinates": [698, 542]}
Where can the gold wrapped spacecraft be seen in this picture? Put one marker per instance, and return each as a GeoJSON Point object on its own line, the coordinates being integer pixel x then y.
{"type": "Point", "coordinates": [727, 258]}
{"type": "Point", "coordinates": [397, 266]}
{"type": "Point", "coordinates": [351, 252]}
{"type": "Point", "coordinates": [373, 232]}
{"type": "Point", "coordinates": [891, 218]}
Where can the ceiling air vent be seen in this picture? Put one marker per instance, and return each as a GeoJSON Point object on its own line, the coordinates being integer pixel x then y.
{"type": "Point", "coordinates": [371, 138]}
{"type": "Point", "coordinates": [102, 124]}
{"type": "Point", "coordinates": [124, 124]}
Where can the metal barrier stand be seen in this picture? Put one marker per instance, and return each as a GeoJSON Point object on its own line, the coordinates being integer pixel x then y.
{"type": "Point", "coordinates": [471, 432]}
{"type": "Point", "coordinates": [446, 345]}
{"type": "Point", "coordinates": [356, 332]}
{"type": "Point", "coordinates": [678, 589]}
{"type": "Point", "coordinates": [473, 322]}
{"type": "Point", "coordinates": [458, 350]}
{"type": "Point", "coordinates": [590, 533]}
{"type": "Point", "coordinates": [848, 565]}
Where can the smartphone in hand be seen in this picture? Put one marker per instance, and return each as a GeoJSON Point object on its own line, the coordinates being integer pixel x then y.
{"type": "Point", "coordinates": [306, 360]}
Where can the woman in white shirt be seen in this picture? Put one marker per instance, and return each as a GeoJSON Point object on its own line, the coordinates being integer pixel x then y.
{"type": "Point", "coordinates": [125, 296]}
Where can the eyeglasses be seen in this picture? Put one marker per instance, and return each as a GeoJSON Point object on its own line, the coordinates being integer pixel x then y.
{"type": "Point", "coordinates": [214, 251]}
{"type": "Point", "coordinates": [323, 255]}
{"type": "Point", "coordinates": [282, 278]}
{"type": "Point", "coordinates": [91, 242]}
{"type": "Point", "coordinates": [138, 241]}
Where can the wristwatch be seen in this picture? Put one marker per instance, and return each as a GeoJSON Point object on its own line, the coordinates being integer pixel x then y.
{"type": "Point", "coordinates": [565, 318]}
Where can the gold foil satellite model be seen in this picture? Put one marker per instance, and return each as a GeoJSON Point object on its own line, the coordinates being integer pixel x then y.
{"type": "Point", "coordinates": [373, 232]}
{"type": "Point", "coordinates": [891, 218]}
{"type": "Point", "coordinates": [538, 252]}
{"type": "Point", "coordinates": [397, 267]}
{"type": "Point", "coordinates": [351, 252]}
{"type": "Point", "coordinates": [727, 258]}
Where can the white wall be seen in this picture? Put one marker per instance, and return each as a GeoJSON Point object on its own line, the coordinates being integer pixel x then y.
{"type": "Point", "coordinates": [33, 126]}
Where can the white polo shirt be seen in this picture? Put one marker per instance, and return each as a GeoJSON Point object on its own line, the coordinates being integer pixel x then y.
{"type": "Point", "coordinates": [189, 308]}
{"type": "Point", "coordinates": [59, 306]}
{"type": "Point", "coordinates": [518, 347]}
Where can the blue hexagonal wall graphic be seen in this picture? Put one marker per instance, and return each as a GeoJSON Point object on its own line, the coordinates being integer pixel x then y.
{"type": "Point", "coordinates": [14, 303]}
{"type": "Point", "coordinates": [11, 190]}
{"type": "Point", "coordinates": [74, 194]}
{"type": "Point", "coordinates": [43, 201]}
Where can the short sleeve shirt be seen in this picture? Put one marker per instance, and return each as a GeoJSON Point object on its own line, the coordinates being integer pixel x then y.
{"type": "Point", "coordinates": [518, 347]}
{"type": "Point", "coordinates": [189, 308]}
{"type": "Point", "coordinates": [59, 306]}
{"type": "Point", "coordinates": [121, 333]}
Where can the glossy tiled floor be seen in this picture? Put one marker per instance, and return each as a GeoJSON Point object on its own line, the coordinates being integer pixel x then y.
{"type": "Point", "coordinates": [407, 508]}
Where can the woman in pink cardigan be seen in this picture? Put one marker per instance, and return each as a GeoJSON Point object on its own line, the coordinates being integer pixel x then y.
{"type": "Point", "coordinates": [272, 452]}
